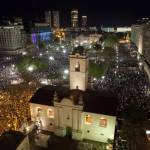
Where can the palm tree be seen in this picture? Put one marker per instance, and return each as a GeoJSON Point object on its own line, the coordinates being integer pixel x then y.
{"type": "Point", "coordinates": [97, 47]}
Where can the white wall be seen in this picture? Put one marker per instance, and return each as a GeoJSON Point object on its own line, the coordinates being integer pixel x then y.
{"type": "Point", "coordinates": [96, 132]}
{"type": "Point", "coordinates": [76, 121]}
{"type": "Point", "coordinates": [47, 123]}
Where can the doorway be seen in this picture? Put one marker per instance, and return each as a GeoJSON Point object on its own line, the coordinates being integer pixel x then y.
{"type": "Point", "coordinates": [69, 132]}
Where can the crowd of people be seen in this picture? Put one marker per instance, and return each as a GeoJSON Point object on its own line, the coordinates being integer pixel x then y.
{"type": "Point", "coordinates": [128, 81]}
{"type": "Point", "coordinates": [124, 78]}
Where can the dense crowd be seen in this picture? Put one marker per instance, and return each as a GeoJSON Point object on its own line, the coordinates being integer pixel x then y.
{"type": "Point", "coordinates": [128, 81]}
{"type": "Point", "coordinates": [124, 78]}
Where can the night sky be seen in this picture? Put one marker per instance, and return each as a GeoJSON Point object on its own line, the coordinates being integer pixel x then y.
{"type": "Point", "coordinates": [106, 12]}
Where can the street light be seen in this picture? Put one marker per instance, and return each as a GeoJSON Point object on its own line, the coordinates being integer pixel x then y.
{"type": "Point", "coordinates": [103, 77]}
{"type": "Point", "coordinates": [30, 68]}
{"type": "Point", "coordinates": [64, 51]}
{"type": "Point", "coordinates": [51, 58]}
{"type": "Point", "coordinates": [66, 71]}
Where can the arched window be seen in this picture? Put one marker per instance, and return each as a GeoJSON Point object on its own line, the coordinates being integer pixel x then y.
{"type": "Point", "coordinates": [88, 119]}
{"type": "Point", "coordinates": [103, 122]}
{"type": "Point", "coordinates": [77, 67]}
{"type": "Point", "coordinates": [50, 113]}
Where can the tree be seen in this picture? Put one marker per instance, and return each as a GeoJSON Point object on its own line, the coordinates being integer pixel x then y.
{"type": "Point", "coordinates": [97, 70]}
{"type": "Point", "coordinates": [98, 48]}
{"type": "Point", "coordinates": [111, 41]}
{"type": "Point", "coordinates": [134, 127]}
{"type": "Point", "coordinates": [108, 54]}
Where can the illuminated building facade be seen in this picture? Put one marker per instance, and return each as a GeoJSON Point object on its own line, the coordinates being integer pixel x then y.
{"type": "Point", "coordinates": [86, 40]}
{"type": "Point", "coordinates": [136, 37]}
{"type": "Point", "coordinates": [56, 22]}
{"type": "Point", "coordinates": [48, 18]}
{"type": "Point", "coordinates": [41, 32]}
{"type": "Point", "coordinates": [116, 29]}
{"type": "Point", "coordinates": [12, 38]}
{"type": "Point", "coordinates": [140, 35]}
{"type": "Point", "coordinates": [74, 18]}
{"type": "Point", "coordinates": [79, 64]}
{"type": "Point", "coordinates": [75, 112]}
{"type": "Point", "coordinates": [84, 21]}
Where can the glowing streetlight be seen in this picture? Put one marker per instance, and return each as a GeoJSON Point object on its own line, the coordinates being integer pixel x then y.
{"type": "Point", "coordinates": [13, 66]}
{"type": "Point", "coordinates": [24, 53]}
{"type": "Point", "coordinates": [103, 77]}
{"type": "Point", "coordinates": [64, 51]}
{"type": "Point", "coordinates": [40, 54]}
{"type": "Point", "coordinates": [30, 68]}
{"type": "Point", "coordinates": [140, 63]}
{"type": "Point", "coordinates": [66, 71]}
{"type": "Point", "coordinates": [94, 79]}
{"type": "Point", "coordinates": [51, 58]}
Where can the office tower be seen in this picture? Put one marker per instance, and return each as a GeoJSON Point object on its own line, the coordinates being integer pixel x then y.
{"type": "Point", "coordinates": [84, 21]}
{"type": "Point", "coordinates": [74, 18]}
{"type": "Point", "coordinates": [48, 18]}
{"type": "Point", "coordinates": [56, 19]}
{"type": "Point", "coordinates": [12, 38]}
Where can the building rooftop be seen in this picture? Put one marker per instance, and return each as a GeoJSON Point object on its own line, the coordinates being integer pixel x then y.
{"type": "Point", "coordinates": [10, 140]}
{"type": "Point", "coordinates": [79, 50]}
{"type": "Point", "coordinates": [93, 101]}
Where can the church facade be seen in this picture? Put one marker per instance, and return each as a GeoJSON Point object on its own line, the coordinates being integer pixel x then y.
{"type": "Point", "coordinates": [77, 112]}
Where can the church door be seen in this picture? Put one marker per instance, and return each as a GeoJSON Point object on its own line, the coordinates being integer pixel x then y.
{"type": "Point", "coordinates": [69, 132]}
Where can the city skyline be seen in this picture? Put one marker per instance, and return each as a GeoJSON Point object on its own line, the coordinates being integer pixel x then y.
{"type": "Point", "coordinates": [105, 12]}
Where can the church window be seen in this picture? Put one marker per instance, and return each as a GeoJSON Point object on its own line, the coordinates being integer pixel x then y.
{"type": "Point", "coordinates": [88, 119]}
{"type": "Point", "coordinates": [77, 67]}
{"type": "Point", "coordinates": [39, 109]}
{"type": "Point", "coordinates": [103, 122]}
{"type": "Point", "coordinates": [50, 113]}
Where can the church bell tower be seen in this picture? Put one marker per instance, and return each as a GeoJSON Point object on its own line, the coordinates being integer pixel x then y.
{"type": "Point", "coordinates": [79, 66]}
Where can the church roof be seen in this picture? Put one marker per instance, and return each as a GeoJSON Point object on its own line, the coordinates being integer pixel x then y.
{"type": "Point", "coordinates": [93, 101]}
{"type": "Point", "coordinates": [10, 140]}
{"type": "Point", "coordinates": [45, 95]}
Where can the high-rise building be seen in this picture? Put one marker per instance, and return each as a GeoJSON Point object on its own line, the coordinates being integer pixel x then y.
{"type": "Point", "coordinates": [84, 21]}
{"type": "Point", "coordinates": [12, 38]}
{"type": "Point", "coordinates": [74, 18]}
{"type": "Point", "coordinates": [48, 18]}
{"type": "Point", "coordinates": [56, 23]}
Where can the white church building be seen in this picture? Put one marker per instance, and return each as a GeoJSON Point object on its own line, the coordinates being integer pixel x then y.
{"type": "Point", "coordinates": [78, 112]}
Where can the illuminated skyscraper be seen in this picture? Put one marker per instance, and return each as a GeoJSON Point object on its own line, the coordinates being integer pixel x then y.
{"type": "Point", "coordinates": [74, 18]}
{"type": "Point", "coordinates": [48, 18]}
{"type": "Point", "coordinates": [84, 21]}
{"type": "Point", "coordinates": [56, 23]}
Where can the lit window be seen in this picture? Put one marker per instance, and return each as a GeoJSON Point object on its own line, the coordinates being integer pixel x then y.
{"type": "Point", "coordinates": [39, 109]}
{"type": "Point", "coordinates": [88, 119]}
{"type": "Point", "coordinates": [77, 67]}
{"type": "Point", "coordinates": [103, 122]}
{"type": "Point", "coordinates": [50, 113]}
